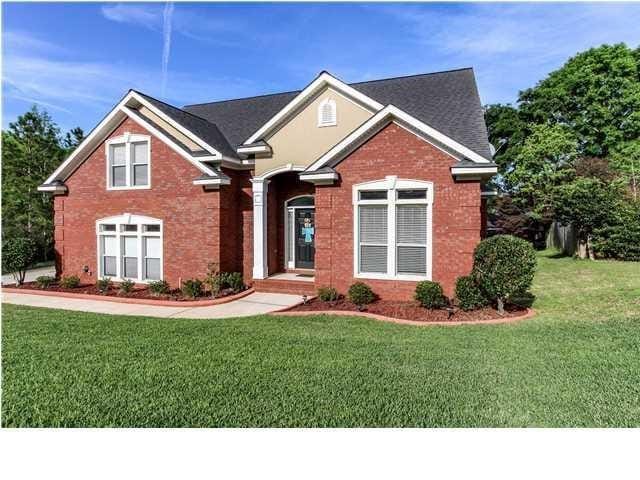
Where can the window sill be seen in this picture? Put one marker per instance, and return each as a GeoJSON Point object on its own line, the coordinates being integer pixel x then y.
{"type": "Point", "coordinates": [334, 124]}
{"type": "Point", "coordinates": [384, 276]}
{"type": "Point", "coordinates": [140, 187]}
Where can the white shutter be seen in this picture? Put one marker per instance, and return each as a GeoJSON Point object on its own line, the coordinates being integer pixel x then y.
{"type": "Point", "coordinates": [411, 239]}
{"type": "Point", "coordinates": [373, 238]}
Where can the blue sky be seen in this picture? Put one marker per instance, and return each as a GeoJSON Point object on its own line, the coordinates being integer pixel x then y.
{"type": "Point", "coordinates": [78, 60]}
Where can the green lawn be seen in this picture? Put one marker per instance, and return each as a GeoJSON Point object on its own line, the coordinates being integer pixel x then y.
{"type": "Point", "coordinates": [577, 363]}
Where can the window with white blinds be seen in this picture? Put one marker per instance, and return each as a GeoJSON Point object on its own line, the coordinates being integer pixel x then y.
{"type": "Point", "coordinates": [128, 160]}
{"type": "Point", "coordinates": [130, 247]}
{"type": "Point", "coordinates": [393, 229]}
{"type": "Point", "coordinates": [373, 238]}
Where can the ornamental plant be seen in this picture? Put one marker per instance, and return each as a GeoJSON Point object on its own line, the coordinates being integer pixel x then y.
{"type": "Point", "coordinates": [45, 281]}
{"type": "Point", "coordinates": [192, 288]}
{"type": "Point", "coordinates": [103, 284]}
{"type": "Point", "coordinates": [328, 294]}
{"type": "Point", "coordinates": [469, 294]}
{"type": "Point", "coordinates": [18, 253]}
{"type": "Point", "coordinates": [127, 286]}
{"type": "Point", "coordinates": [71, 281]}
{"type": "Point", "coordinates": [361, 294]}
{"type": "Point", "coordinates": [503, 266]}
{"type": "Point", "coordinates": [430, 294]}
{"type": "Point", "coordinates": [159, 287]}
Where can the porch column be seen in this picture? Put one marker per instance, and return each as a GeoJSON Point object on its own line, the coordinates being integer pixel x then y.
{"type": "Point", "coordinates": [260, 188]}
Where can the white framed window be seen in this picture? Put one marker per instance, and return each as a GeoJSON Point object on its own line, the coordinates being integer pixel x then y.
{"type": "Point", "coordinates": [128, 162]}
{"type": "Point", "coordinates": [393, 229]}
{"type": "Point", "coordinates": [130, 248]}
{"type": "Point", "coordinates": [327, 115]}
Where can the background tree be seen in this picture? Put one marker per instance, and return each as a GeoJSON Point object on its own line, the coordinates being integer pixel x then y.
{"type": "Point", "coordinates": [32, 149]}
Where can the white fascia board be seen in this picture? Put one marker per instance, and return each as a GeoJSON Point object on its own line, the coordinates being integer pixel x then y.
{"type": "Point", "coordinates": [213, 181]}
{"type": "Point", "coordinates": [391, 111]}
{"type": "Point", "coordinates": [320, 178]}
{"type": "Point", "coordinates": [157, 133]}
{"type": "Point", "coordinates": [323, 80]}
{"type": "Point", "coordinates": [68, 164]}
{"type": "Point", "coordinates": [52, 188]}
{"type": "Point", "coordinates": [254, 149]}
{"type": "Point", "coordinates": [474, 170]}
{"type": "Point", "coordinates": [176, 125]}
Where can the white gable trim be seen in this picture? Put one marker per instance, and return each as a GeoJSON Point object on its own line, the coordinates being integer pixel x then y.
{"type": "Point", "coordinates": [323, 80]}
{"type": "Point", "coordinates": [106, 126]}
{"type": "Point", "coordinates": [391, 111]}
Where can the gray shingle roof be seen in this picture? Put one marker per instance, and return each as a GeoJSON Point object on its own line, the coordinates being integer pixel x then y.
{"type": "Point", "coordinates": [447, 101]}
{"type": "Point", "coordinates": [204, 129]}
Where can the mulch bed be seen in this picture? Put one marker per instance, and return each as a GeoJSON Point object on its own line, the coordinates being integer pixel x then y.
{"type": "Point", "coordinates": [138, 292]}
{"type": "Point", "coordinates": [411, 311]}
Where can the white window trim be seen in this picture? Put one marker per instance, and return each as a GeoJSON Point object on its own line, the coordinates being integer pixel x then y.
{"type": "Point", "coordinates": [290, 229]}
{"type": "Point", "coordinates": [127, 140]}
{"type": "Point", "coordinates": [331, 102]}
{"type": "Point", "coordinates": [128, 219]}
{"type": "Point", "coordinates": [392, 184]}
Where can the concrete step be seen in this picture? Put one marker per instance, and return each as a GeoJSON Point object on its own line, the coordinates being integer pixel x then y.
{"type": "Point", "coordinates": [284, 286]}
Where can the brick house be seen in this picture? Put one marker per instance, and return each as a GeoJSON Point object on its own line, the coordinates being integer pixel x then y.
{"type": "Point", "coordinates": [379, 181]}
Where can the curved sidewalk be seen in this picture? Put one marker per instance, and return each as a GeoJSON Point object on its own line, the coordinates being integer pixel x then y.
{"type": "Point", "coordinates": [257, 303]}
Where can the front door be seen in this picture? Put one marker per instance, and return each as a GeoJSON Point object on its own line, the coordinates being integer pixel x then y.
{"type": "Point", "coordinates": [305, 237]}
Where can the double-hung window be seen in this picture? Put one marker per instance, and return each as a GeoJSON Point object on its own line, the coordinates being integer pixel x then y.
{"type": "Point", "coordinates": [392, 230]}
{"type": "Point", "coordinates": [128, 162]}
{"type": "Point", "coordinates": [130, 248]}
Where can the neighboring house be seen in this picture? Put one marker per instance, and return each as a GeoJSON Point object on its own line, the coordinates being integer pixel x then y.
{"type": "Point", "coordinates": [377, 181]}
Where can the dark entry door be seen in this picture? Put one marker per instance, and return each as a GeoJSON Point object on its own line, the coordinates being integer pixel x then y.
{"type": "Point", "coordinates": [305, 237]}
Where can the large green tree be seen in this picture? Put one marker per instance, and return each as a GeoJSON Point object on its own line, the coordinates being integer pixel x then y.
{"type": "Point", "coordinates": [31, 150]}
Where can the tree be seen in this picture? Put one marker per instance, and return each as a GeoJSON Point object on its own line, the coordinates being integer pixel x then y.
{"type": "Point", "coordinates": [507, 132]}
{"type": "Point", "coordinates": [31, 151]}
{"type": "Point", "coordinates": [544, 161]}
{"type": "Point", "coordinates": [72, 139]}
{"type": "Point", "coordinates": [595, 94]}
{"type": "Point", "coordinates": [18, 254]}
{"type": "Point", "coordinates": [587, 203]}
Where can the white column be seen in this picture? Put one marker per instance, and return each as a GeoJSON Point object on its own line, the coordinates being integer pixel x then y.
{"type": "Point", "coordinates": [260, 188]}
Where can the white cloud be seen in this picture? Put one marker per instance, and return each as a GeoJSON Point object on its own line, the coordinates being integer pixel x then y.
{"type": "Point", "coordinates": [149, 15]}
{"type": "Point", "coordinates": [166, 47]}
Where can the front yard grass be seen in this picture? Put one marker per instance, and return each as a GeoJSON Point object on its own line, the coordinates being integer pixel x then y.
{"type": "Point", "coordinates": [577, 363]}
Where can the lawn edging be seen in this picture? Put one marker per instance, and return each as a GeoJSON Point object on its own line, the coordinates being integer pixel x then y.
{"type": "Point", "coordinates": [530, 312]}
{"type": "Point", "coordinates": [140, 301]}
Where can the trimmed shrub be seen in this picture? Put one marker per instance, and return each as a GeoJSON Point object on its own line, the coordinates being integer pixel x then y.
{"type": "Point", "coordinates": [233, 280]}
{"type": "Point", "coordinates": [159, 287]}
{"type": "Point", "coordinates": [18, 253]}
{"type": "Point", "coordinates": [430, 294]}
{"type": "Point", "coordinates": [361, 294]}
{"type": "Point", "coordinates": [72, 281]}
{"type": "Point", "coordinates": [192, 288]}
{"type": "Point", "coordinates": [503, 266]}
{"type": "Point", "coordinates": [620, 239]}
{"type": "Point", "coordinates": [103, 284]}
{"type": "Point", "coordinates": [469, 294]}
{"type": "Point", "coordinates": [45, 281]}
{"type": "Point", "coordinates": [127, 286]}
{"type": "Point", "coordinates": [328, 294]}
{"type": "Point", "coordinates": [213, 280]}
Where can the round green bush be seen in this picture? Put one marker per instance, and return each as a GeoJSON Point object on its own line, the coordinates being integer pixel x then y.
{"type": "Point", "coordinates": [469, 294]}
{"type": "Point", "coordinates": [103, 284]}
{"type": "Point", "coordinates": [18, 253]}
{"type": "Point", "coordinates": [327, 294]}
{"type": "Point", "coordinates": [127, 286]}
{"type": "Point", "coordinates": [159, 287]}
{"type": "Point", "coordinates": [192, 288]}
{"type": "Point", "coordinates": [503, 266]}
{"type": "Point", "coordinates": [71, 281]}
{"type": "Point", "coordinates": [430, 294]}
{"type": "Point", "coordinates": [45, 281]}
{"type": "Point", "coordinates": [361, 294]}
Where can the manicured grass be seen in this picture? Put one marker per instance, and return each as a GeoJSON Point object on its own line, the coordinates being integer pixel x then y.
{"type": "Point", "coordinates": [575, 364]}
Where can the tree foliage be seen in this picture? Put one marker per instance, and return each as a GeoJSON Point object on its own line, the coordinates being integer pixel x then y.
{"type": "Point", "coordinates": [31, 150]}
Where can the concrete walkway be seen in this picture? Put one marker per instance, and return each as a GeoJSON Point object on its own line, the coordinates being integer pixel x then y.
{"type": "Point", "coordinates": [31, 275]}
{"type": "Point", "coordinates": [255, 304]}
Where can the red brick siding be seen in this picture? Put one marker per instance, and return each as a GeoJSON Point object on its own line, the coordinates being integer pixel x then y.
{"type": "Point", "coordinates": [456, 211]}
{"type": "Point", "coordinates": [191, 216]}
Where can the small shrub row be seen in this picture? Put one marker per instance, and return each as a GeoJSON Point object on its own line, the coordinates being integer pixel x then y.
{"type": "Point", "coordinates": [71, 281]}
{"type": "Point", "coordinates": [45, 281]}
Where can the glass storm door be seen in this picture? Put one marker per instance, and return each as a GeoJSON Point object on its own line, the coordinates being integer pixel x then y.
{"type": "Point", "coordinates": [305, 237]}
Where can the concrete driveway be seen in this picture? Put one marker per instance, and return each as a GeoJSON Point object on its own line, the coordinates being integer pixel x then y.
{"type": "Point", "coordinates": [31, 275]}
{"type": "Point", "coordinates": [256, 303]}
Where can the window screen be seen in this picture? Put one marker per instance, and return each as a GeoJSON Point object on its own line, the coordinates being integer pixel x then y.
{"type": "Point", "coordinates": [140, 160]}
{"type": "Point", "coordinates": [130, 257]}
{"type": "Point", "coordinates": [109, 245]}
{"type": "Point", "coordinates": [152, 251]}
{"type": "Point", "coordinates": [373, 238]}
